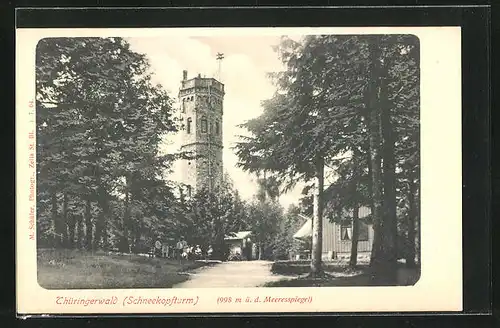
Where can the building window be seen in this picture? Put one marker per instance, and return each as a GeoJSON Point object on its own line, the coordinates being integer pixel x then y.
{"type": "Point", "coordinates": [188, 127]}
{"type": "Point", "coordinates": [216, 127]}
{"type": "Point", "coordinates": [363, 231]}
{"type": "Point", "coordinates": [203, 125]}
{"type": "Point", "coordinates": [345, 232]}
{"type": "Point", "coordinates": [211, 128]}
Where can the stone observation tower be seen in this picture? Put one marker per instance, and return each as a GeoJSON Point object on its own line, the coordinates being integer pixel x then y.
{"type": "Point", "coordinates": [201, 113]}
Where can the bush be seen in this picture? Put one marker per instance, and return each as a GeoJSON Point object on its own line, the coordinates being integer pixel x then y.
{"type": "Point", "coordinates": [287, 268]}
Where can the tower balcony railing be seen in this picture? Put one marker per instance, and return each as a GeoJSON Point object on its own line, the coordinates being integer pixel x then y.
{"type": "Point", "coordinates": [203, 83]}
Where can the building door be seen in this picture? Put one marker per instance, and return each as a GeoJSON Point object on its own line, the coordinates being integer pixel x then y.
{"type": "Point", "coordinates": [247, 251]}
{"type": "Point", "coordinates": [254, 251]}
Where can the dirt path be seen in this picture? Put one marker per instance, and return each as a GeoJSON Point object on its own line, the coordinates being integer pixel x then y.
{"type": "Point", "coordinates": [231, 274]}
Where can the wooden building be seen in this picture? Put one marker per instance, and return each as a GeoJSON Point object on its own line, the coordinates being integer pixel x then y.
{"type": "Point", "coordinates": [241, 243]}
{"type": "Point", "coordinates": [337, 237]}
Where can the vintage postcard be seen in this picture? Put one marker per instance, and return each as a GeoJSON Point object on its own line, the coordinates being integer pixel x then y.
{"type": "Point", "coordinates": [219, 170]}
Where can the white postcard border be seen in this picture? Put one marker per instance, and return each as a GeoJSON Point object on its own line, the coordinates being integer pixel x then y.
{"type": "Point", "coordinates": [440, 285]}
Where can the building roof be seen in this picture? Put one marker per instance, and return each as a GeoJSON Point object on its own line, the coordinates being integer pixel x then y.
{"type": "Point", "coordinates": [238, 235]}
{"type": "Point", "coordinates": [306, 230]}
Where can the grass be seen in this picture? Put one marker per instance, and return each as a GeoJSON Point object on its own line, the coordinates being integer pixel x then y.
{"type": "Point", "coordinates": [294, 268]}
{"type": "Point", "coordinates": [340, 274]}
{"type": "Point", "coordinates": [71, 269]}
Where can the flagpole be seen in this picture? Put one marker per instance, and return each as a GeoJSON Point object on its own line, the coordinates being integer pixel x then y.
{"type": "Point", "coordinates": [219, 57]}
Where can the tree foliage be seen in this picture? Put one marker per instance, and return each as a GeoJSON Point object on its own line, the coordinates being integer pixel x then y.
{"type": "Point", "coordinates": [213, 215]}
{"type": "Point", "coordinates": [100, 121]}
{"type": "Point", "coordinates": [344, 97]}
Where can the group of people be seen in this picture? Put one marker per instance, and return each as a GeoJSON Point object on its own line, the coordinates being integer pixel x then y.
{"type": "Point", "coordinates": [187, 252]}
{"type": "Point", "coordinates": [181, 251]}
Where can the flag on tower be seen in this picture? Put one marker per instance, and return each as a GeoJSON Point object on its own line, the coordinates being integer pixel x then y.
{"type": "Point", "coordinates": [219, 57]}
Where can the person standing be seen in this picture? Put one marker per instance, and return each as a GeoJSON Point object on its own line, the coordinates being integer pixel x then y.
{"type": "Point", "coordinates": [178, 250]}
{"type": "Point", "coordinates": [157, 248]}
{"type": "Point", "coordinates": [164, 251]}
{"type": "Point", "coordinates": [198, 252]}
{"type": "Point", "coordinates": [210, 252]}
{"type": "Point", "coordinates": [181, 245]}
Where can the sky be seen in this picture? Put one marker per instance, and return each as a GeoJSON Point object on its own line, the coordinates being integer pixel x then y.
{"type": "Point", "coordinates": [243, 71]}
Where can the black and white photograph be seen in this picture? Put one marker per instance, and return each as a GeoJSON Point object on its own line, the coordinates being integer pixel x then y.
{"type": "Point", "coordinates": [253, 161]}
{"type": "Point", "coordinates": [204, 168]}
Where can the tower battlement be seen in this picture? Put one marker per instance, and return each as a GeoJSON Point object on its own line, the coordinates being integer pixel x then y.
{"type": "Point", "coordinates": [202, 83]}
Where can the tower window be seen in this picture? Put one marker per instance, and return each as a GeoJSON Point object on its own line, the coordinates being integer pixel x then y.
{"type": "Point", "coordinates": [188, 128]}
{"type": "Point", "coordinates": [216, 127]}
{"type": "Point", "coordinates": [203, 125]}
{"type": "Point", "coordinates": [211, 128]}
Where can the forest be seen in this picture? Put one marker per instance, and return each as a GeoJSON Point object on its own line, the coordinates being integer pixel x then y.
{"type": "Point", "coordinates": [100, 169]}
{"type": "Point", "coordinates": [348, 104]}
{"type": "Point", "coordinates": [343, 104]}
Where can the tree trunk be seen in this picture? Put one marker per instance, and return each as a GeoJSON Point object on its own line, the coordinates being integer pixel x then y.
{"type": "Point", "coordinates": [377, 256]}
{"type": "Point", "coordinates": [390, 226]}
{"type": "Point", "coordinates": [264, 187]}
{"type": "Point", "coordinates": [124, 244]}
{"type": "Point", "coordinates": [260, 251]}
{"type": "Point", "coordinates": [370, 179]}
{"type": "Point", "coordinates": [65, 224]}
{"type": "Point", "coordinates": [103, 201]}
{"type": "Point", "coordinates": [317, 233]}
{"type": "Point", "coordinates": [410, 256]}
{"type": "Point", "coordinates": [88, 225]}
{"type": "Point", "coordinates": [369, 163]}
{"type": "Point", "coordinates": [71, 219]}
{"type": "Point", "coordinates": [353, 261]}
{"type": "Point", "coordinates": [134, 246]}
{"type": "Point", "coordinates": [98, 232]}
{"type": "Point", "coordinates": [58, 241]}
{"type": "Point", "coordinates": [72, 231]}
{"type": "Point", "coordinates": [105, 244]}
{"type": "Point", "coordinates": [79, 231]}
{"type": "Point", "coordinates": [100, 217]}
